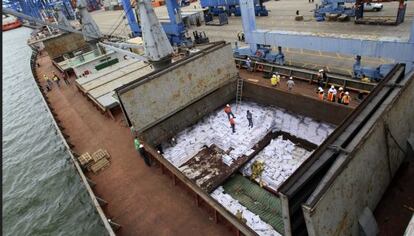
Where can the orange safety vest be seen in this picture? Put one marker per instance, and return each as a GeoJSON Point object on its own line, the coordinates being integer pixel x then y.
{"type": "Point", "coordinates": [346, 99]}
{"type": "Point", "coordinates": [320, 95]}
{"type": "Point", "coordinates": [330, 96]}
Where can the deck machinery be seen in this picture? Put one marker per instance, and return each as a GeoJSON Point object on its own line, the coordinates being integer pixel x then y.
{"type": "Point", "coordinates": [338, 7]}
{"type": "Point", "coordinates": [232, 7]}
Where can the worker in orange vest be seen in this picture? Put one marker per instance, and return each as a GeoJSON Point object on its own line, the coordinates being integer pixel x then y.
{"type": "Point", "coordinates": [233, 124]}
{"type": "Point", "coordinates": [321, 94]}
{"type": "Point", "coordinates": [228, 111]}
{"type": "Point", "coordinates": [331, 94]}
{"type": "Point", "coordinates": [346, 99]}
{"type": "Point", "coordinates": [340, 94]}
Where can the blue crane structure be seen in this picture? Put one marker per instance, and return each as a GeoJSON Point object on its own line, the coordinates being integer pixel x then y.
{"type": "Point", "coordinates": [41, 8]}
{"type": "Point", "coordinates": [400, 51]}
{"type": "Point", "coordinates": [232, 7]}
{"type": "Point", "coordinates": [175, 28]}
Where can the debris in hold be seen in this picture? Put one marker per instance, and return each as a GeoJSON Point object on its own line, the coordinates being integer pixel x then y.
{"type": "Point", "coordinates": [280, 159]}
{"type": "Point", "coordinates": [215, 129]}
{"type": "Point", "coordinates": [253, 221]}
{"type": "Point", "coordinates": [257, 169]}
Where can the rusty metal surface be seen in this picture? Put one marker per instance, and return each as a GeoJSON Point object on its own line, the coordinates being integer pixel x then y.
{"type": "Point", "coordinates": [166, 92]}
{"type": "Point", "coordinates": [65, 43]}
{"type": "Point", "coordinates": [359, 178]}
{"type": "Point", "coordinates": [300, 185]}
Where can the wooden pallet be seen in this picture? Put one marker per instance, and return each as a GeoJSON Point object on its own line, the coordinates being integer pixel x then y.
{"type": "Point", "coordinates": [100, 165]}
{"type": "Point", "coordinates": [98, 155]}
{"type": "Point", "coordinates": [84, 159]}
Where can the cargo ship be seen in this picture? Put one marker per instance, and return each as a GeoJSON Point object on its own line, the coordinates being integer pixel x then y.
{"type": "Point", "coordinates": [10, 22]}
{"type": "Point", "coordinates": [282, 176]}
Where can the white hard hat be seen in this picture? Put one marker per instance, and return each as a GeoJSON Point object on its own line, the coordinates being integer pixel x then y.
{"type": "Point", "coordinates": [141, 146]}
{"type": "Point", "coordinates": [291, 77]}
{"type": "Point", "coordinates": [227, 105]}
{"type": "Point", "coordinates": [332, 86]}
{"type": "Point", "coordinates": [346, 93]}
{"type": "Point", "coordinates": [340, 88]}
{"type": "Point", "coordinates": [320, 89]}
{"type": "Point", "coordinates": [321, 70]}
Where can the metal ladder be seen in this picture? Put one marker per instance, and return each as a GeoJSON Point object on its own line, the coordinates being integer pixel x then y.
{"type": "Point", "coordinates": [239, 92]}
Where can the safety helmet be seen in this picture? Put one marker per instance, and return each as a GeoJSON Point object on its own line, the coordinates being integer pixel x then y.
{"type": "Point", "coordinates": [332, 87]}
{"type": "Point", "coordinates": [321, 70]}
{"type": "Point", "coordinates": [227, 105]}
{"type": "Point", "coordinates": [141, 146]}
{"type": "Point", "coordinates": [320, 89]}
{"type": "Point", "coordinates": [346, 93]}
{"type": "Point", "coordinates": [340, 88]}
{"type": "Point", "coordinates": [291, 77]}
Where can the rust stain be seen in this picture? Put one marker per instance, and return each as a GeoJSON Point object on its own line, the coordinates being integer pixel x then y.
{"type": "Point", "coordinates": [342, 225]}
{"type": "Point", "coordinates": [177, 94]}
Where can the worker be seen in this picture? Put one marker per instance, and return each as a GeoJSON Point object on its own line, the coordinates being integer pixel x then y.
{"type": "Point", "coordinates": [275, 80]}
{"type": "Point", "coordinates": [136, 143]}
{"type": "Point", "coordinates": [228, 111]}
{"type": "Point", "coordinates": [365, 79]}
{"type": "Point", "coordinates": [290, 83]}
{"type": "Point", "coordinates": [133, 131]}
{"type": "Point", "coordinates": [56, 79]}
{"type": "Point", "coordinates": [48, 81]}
{"type": "Point", "coordinates": [346, 98]}
{"type": "Point", "coordinates": [324, 77]}
{"type": "Point", "coordinates": [340, 94]}
{"type": "Point", "coordinates": [249, 118]}
{"type": "Point", "coordinates": [321, 93]}
{"type": "Point", "coordinates": [249, 64]}
{"type": "Point", "coordinates": [233, 124]}
{"type": "Point", "coordinates": [320, 79]}
{"type": "Point", "coordinates": [144, 155]}
{"type": "Point", "coordinates": [65, 79]}
{"type": "Point", "coordinates": [332, 94]}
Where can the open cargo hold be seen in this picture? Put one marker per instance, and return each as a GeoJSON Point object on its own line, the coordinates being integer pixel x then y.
{"type": "Point", "coordinates": [165, 118]}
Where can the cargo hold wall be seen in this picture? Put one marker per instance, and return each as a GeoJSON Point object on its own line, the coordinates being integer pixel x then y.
{"type": "Point", "coordinates": [157, 96]}
{"type": "Point", "coordinates": [361, 173]}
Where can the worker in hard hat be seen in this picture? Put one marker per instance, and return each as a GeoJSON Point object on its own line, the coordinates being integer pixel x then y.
{"type": "Point", "coordinates": [290, 83]}
{"type": "Point", "coordinates": [249, 64]}
{"type": "Point", "coordinates": [332, 94]}
{"type": "Point", "coordinates": [233, 124]}
{"type": "Point", "coordinates": [228, 111]}
{"type": "Point", "coordinates": [275, 80]}
{"type": "Point", "coordinates": [320, 93]}
{"type": "Point", "coordinates": [346, 99]}
{"type": "Point", "coordinates": [144, 155]}
{"type": "Point", "coordinates": [340, 94]}
{"type": "Point", "coordinates": [249, 117]}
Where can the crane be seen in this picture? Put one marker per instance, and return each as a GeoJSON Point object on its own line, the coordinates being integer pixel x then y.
{"type": "Point", "coordinates": [397, 50]}
{"type": "Point", "coordinates": [175, 28]}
